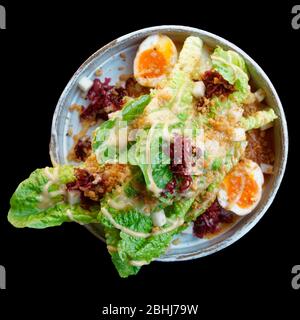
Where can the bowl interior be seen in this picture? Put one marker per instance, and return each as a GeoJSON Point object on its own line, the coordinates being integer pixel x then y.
{"type": "Point", "coordinates": [114, 65]}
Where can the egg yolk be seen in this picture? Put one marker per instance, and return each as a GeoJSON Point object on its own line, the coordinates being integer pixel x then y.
{"type": "Point", "coordinates": [241, 189]}
{"type": "Point", "coordinates": [249, 194]}
{"type": "Point", "coordinates": [233, 184]}
{"type": "Point", "coordinates": [152, 63]}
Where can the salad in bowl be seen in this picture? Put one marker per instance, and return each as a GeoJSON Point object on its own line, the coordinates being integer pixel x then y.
{"type": "Point", "coordinates": [183, 144]}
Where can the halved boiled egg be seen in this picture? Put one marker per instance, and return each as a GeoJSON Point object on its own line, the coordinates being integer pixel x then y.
{"type": "Point", "coordinates": [155, 58]}
{"type": "Point", "coordinates": [241, 189]}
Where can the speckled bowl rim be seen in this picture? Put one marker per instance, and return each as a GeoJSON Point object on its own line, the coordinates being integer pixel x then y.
{"type": "Point", "coordinates": [283, 133]}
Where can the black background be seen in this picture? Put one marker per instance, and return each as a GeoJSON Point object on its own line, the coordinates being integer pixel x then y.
{"type": "Point", "coordinates": [66, 270]}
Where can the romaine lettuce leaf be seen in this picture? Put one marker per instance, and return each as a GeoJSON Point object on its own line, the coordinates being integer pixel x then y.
{"type": "Point", "coordinates": [112, 236]}
{"type": "Point", "coordinates": [135, 108]}
{"type": "Point", "coordinates": [189, 58]}
{"type": "Point", "coordinates": [205, 60]}
{"type": "Point", "coordinates": [106, 144]}
{"type": "Point", "coordinates": [101, 134]}
{"type": "Point", "coordinates": [259, 119]}
{"type": "Point", "coordinates": [106, 141]}
{"type": "Point", "coordinates": [148, 154]}
{"type": "Point", "coordinates": [130, 252]}
{"type": "Point", "coordinates": [179, 208]}
{"type": "Point", "coordinates": [124, 269]}
{"type": "Point", "coordinates": [144, 250]}
{"type": "Point", "coordinates": [130, 218]}
{"type": "Point", "coordinates": [232, 67]}
{"type": "Point", "coordinates": [39, 201]}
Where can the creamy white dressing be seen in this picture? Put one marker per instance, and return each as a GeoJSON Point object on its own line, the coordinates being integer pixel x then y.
{"type": "Point", "coordinates": [120, 202]}
{"type": "Point", "coordinates": [165, 116]}
{"type": "Point", "coordinates": [112, 249]}
{"type": "Point", "coordinates": [138, 263]}
{"type": "Point", "coordinates": [177, 107]}
{"type": "Point", "coordinates": [57, 193]}
{"type": "Point", "coordinates": [52, 176]}
{"type": "Point", "coordinates": [70, 215]}
{"type": "Point", "coordinates": [165, 133]}
{"type": "Point", "coordinates": [152, 105]}
{"type": "Point", "coordinates": [152, 185]}
{"type": "Point", "coordinates": [115, 115]}
{"type": "Point", "coordinates": [45, 198]}
{"type": "Point", "coordinates": [122, 228]}
{"type": "Point", "coordinates": [176, 223]}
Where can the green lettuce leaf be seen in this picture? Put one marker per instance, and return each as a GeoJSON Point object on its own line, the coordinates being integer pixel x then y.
{"type": "Point", "coordinates": [37, 203]}
{"type": "Point", "coordinates": [106, 137]}
{"type": "Point", "coordinates": [124, 269]}
{"type": "Point", "coordinates": [156, 171]}
{"type": "Point", "coordinates": [189, 58]}
{"type": "Point", "coordinates": [135, 108]}
{"type": "Point", "coordinates": [138, 249]}
{"type": "Point", "coordinates": [112, 236]}
{"type": "Point", "coordinates": [232, 67]}
{"type": "Point", "coordinates": [259, 119]}
{"type": "Point", "coordinates": [179, 208]}
{"type": "Point", "coordinates": [131, 250]}
{"type": "Point", "coordinates": [128, 250]}
{"type": "Point", "coordinates": [106, 141]}
{"type": "Point", "coordinates": [121, 245]}
{"type": "Point", "coordinates": [101, 134]}
{"type": "Point", "coordinates": [131, 218]}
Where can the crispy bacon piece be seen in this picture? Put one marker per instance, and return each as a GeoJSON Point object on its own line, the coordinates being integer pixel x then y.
{"type": "Point", "coordinates": [93, 181]}
{"type": "Point", "coordinates": [104, 99]}
{"type": "Point", "coordinates": [181, 154]}
{"type": "Point", "coordinates": [210, 221]}
{"type": "Point", "coordinates": [216, 85]}
{"type": "Point", "coordinates": [89, 185]}
{"type": "Point", "coordinates": [83, 148]}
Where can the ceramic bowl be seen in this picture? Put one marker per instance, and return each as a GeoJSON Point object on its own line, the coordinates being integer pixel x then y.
{"type": "Point", "coordinates": [110, 59]}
